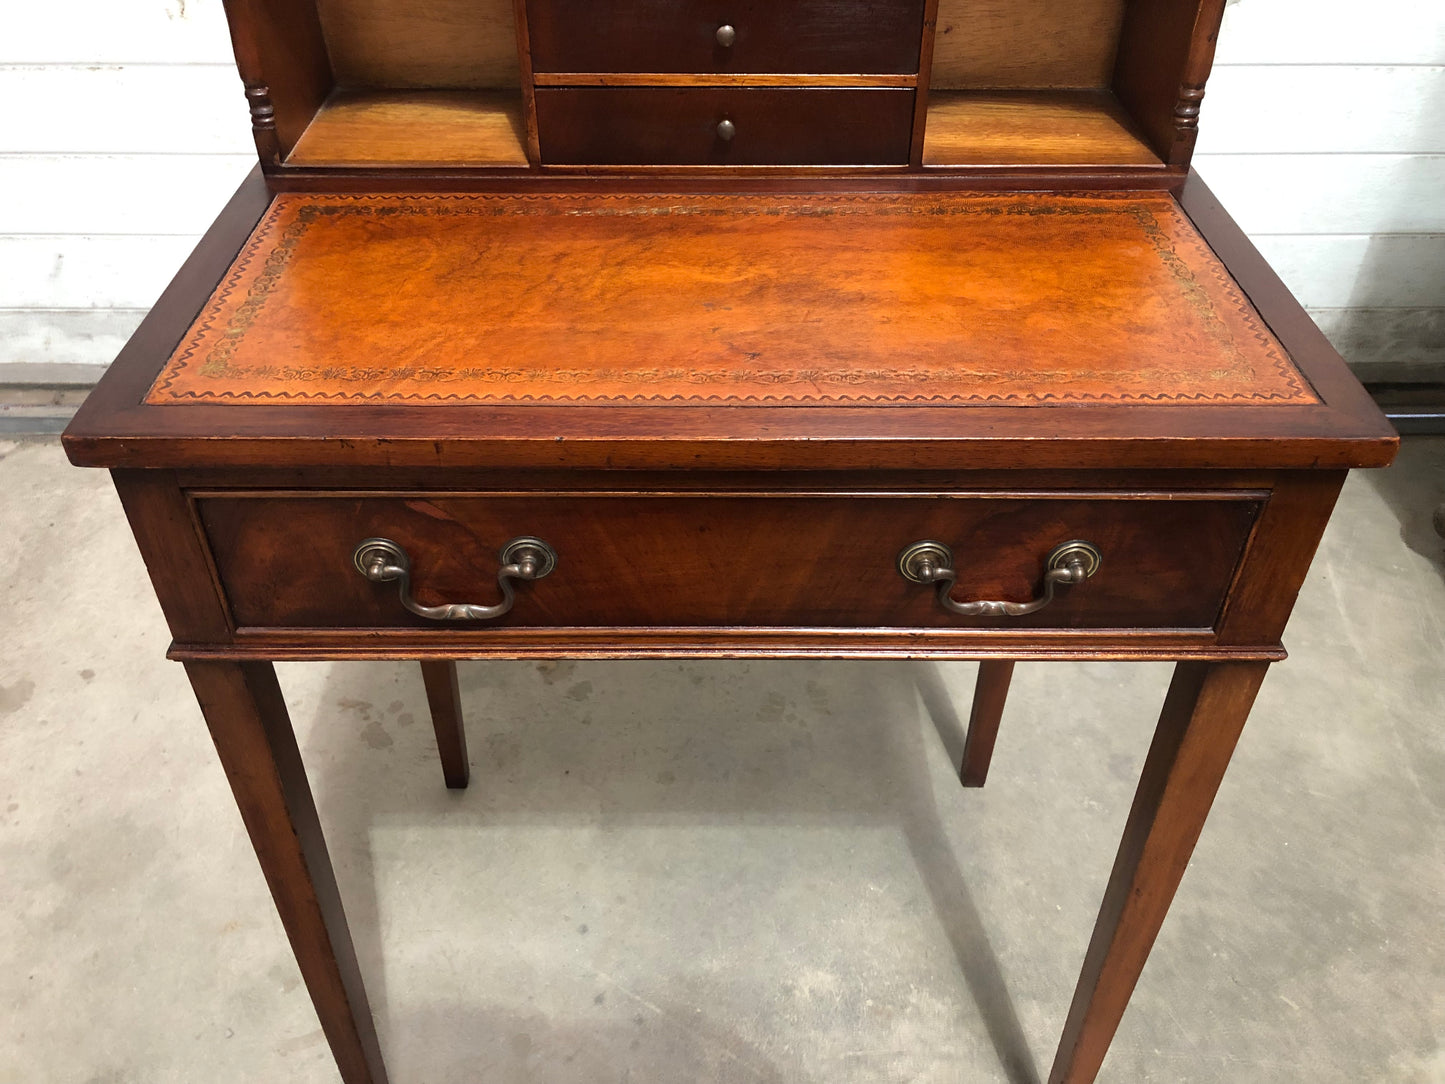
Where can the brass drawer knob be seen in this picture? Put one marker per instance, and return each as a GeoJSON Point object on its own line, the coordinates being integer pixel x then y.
{"type": "Point", "coordinates": [726, 35]}
{"type": "Point", "coordinates": [726, 129]}
{"type": "Point", "coordinates": [381, 560]}
{"type": "Point", "coordinates": [932, 563]}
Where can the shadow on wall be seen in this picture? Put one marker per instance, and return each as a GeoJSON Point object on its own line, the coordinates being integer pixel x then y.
{"type": "Point", "coordinates": [1393, 330]}
{"type": "Point", "coordinates": [1396, 320]}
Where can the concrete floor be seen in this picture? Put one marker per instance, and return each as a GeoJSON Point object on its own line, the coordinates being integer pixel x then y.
{"type": "Point", "coordinates": [717, 871]}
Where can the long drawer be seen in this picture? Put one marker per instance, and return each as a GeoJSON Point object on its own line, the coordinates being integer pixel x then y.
{"type": "Point", "coordinates": [743, 36]}
{"type": "Point", "coordinates": [744, 126]}
{"type": "Point", "coordinates": [726, 560]}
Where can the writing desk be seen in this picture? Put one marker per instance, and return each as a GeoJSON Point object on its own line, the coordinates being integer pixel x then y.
{"type": "Point", "coordinates": [404, 410]}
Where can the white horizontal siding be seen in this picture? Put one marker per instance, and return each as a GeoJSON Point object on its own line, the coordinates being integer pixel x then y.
{"type": "Point", "coordinates": [156, 194]}
{"type": "Point", "coordinates": [1390, 344]}
{"type": "Point", "coordinates": [194, 31]}
{"type": "Point", "coordinates": [125, 109]}
{"type": "Point", "coordinates": [1323, 131]}
{"type": "Point", "coordinates": [1396, 270]}
{"type": "Point", "coordinates": [86, 32]}
{"type": "Point", "coordinates": [1330, 193]}
{"type": "Point", "coordinates": [80, 271]}
{"type": "Point", "coordinates": [49, 342]}
{"type": "Point", "coordinates": [1335, 109]}
{"type": "Point", "coordinates": [1278, 32]}
{"type": "Point", "coordinates": [133, 135]}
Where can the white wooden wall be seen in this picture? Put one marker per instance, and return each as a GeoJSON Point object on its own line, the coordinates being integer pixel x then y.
{"type": "Point", "coordinates": [126, 131]}
{"type": "Point", "coordinates": [1348, 97]}
{"type": "Point", "coordinates": [1323, 132]}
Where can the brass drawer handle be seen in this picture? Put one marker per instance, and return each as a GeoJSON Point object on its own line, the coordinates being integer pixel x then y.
{"type": "Point", "coordinates": [381, 560]}
{"type": "Point", "coordinates": [932, 562]}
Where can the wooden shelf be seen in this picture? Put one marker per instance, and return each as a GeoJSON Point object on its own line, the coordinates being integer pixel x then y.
{"type": "Point", "coordinates": [415, 128]}
{"type": "Point", "coordinates": [484, 128]}
{"type": "Point", "coordinates": [1031, 128]}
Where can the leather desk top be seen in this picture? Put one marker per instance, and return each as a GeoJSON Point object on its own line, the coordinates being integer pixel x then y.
{"type": "Point", "coordinates": [740, 300]}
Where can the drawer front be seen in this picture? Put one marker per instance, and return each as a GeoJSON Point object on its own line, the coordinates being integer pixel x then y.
{"type": "Point", "coordinates": [800, 36]}
{"type": "Point", "coordinates": [726, 560]}
{"type": "Point", "coordinates": [680, 126]}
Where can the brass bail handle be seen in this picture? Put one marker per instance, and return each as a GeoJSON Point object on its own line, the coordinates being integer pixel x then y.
{"type": "Point", "coordinates": [381, 560]}
{"type": "Point", "coordinates": [932, 563]}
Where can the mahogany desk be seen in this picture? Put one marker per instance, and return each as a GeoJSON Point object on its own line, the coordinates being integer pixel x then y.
{"type": "Point", "coordinates": [610, 422]}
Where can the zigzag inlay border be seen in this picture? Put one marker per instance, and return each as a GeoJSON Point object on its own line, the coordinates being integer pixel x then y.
{"type": "Point", "coordinates": [316, 207]}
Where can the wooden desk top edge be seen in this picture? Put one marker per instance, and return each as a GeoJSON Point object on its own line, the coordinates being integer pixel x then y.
{"type": "Point", "coordinates": [115, 428]}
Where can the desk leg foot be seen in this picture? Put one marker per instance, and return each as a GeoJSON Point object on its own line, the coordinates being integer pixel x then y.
{"type": "Point", "coordinates": [989, 695]}
{"type": "Point", "coordinates": [445, 698]}
{"type": "Point", "coordinates": [247, 718]}
{"type": "Point", "coordinates": [1198, 728]}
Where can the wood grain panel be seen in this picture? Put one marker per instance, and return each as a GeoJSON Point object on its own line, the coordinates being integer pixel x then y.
{"type": "Point", "coordinates": [718, 79]}
{"type": "Point", "coordinates": [421, 43]}
{"type": "Point", "coordinates": [678, 126]}
{"type": "Point", "coordinates": [925, 78]}
{"type": "Point", "coordinates": [1031, 128]}
{"type": "Point", "coordinates": [440, 128]}
{"type": "Point", "coordinates": [282, 59]}
{"type": "Point", "coordinates": [1025, 43]}
{"type": "Point", "coordinates": [516, 642]}
{"type": "Point", "coordinates": [168, 534]}
{"type": "Point", "coordinates": [802, 36]}
{"type": "Point", "coordinates": [716, 560]}
{"type": "Point", "coordinates": [1155, 45]}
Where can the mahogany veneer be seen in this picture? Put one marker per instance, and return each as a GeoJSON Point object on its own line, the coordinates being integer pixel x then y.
{"type": "Point", "coordinates": [805, 36]}
{"type": "Point", "coordinates": [1171, 556]}
{"type": "Point", "coordinates": [943, 277]}
{"type": "Point", "coordinates": [678, 126]}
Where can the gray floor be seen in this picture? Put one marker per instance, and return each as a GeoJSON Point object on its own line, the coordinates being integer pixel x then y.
{"type": "Point", "coordinates": [717, 871]}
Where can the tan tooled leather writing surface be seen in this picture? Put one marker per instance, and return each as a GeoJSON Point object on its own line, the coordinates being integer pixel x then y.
{"type": "Point", "coordinates": [807, 300]}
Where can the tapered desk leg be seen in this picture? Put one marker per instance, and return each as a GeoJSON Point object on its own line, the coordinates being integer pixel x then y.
{"type": "Point", "coordinates": [445, 698]}
{"type": "Point", "coordinates": [1198, 728]}
{"type": "Point", "coordinates": [247, 717]}
{"type": "Point", "coordinates": [989, 696]}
